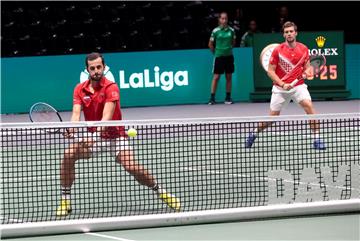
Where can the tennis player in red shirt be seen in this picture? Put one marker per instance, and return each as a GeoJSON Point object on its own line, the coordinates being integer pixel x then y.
{"type": "Point", "coordinates": [283, 59]}
{"type": "Point", "coordinates": [99, 99]}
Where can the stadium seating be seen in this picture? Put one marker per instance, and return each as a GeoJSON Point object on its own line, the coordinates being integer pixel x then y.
{"type": "Point", "coordinates": [56, 28]}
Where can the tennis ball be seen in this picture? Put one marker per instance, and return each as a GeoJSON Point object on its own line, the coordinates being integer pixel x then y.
{"type": "Point", "coordinates": [132, 132]}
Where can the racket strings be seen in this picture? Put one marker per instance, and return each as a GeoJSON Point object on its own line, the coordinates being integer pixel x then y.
{"type": "Point", "coordinates": [317, 63]}
{"type": "Point", "coordinates": [44, 113]}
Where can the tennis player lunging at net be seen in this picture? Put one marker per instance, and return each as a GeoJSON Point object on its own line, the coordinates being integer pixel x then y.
{"type": "Point", "coordinates": [283, 62]}
{"type": "Point", "coordinates": [100, 100]}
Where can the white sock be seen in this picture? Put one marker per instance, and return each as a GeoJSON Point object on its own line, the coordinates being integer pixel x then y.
{"type": "Point", "coordinates": [158, 189]}
{"type": "Point", "coordinates": [255, 131]}
{"type": "Point", "coordinates": [65, 193]}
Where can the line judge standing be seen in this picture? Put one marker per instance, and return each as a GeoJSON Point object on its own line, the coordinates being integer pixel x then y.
{"type": "Point", "coordinates": [221, 43]}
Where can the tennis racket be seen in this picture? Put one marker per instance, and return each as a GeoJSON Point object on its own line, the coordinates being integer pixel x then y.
{"type": "Point", "coordinates": [317, 64]}
{"type": "Point", "coordinates": [265, 55]}
{"type": "Point", "coordinates": [43, 112]}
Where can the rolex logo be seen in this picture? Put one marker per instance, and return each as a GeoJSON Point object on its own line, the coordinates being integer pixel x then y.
{"type": "Point", "coordinates": [320, 41]}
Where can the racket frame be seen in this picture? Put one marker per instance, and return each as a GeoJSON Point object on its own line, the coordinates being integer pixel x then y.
{"type": "Point", "coordinates": [51, 108]}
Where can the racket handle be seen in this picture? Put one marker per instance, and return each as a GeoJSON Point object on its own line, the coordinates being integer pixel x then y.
{"type": "Point", "coordinates": [294, 82]}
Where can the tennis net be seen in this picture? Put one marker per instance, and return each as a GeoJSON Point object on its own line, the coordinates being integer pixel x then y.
{"type": "Point", "coordinates": [200, 165]}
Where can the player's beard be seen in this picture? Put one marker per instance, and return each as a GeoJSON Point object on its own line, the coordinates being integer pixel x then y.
{"type": "Point", "coordinates": [290, 40]}
{"type": "Point", "coordinates": [96, 77]}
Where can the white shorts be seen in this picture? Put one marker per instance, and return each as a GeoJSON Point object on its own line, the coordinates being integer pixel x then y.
{"type": "Point", "coordinates": [280, 99]}
{"type": "Point", "coordinates": [113, 146]}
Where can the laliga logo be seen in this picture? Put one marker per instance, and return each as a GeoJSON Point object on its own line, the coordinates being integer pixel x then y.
{"type": "Point", "coordinates": [320, 42]}
{"type": "Point", "coordinates": [166, 80]}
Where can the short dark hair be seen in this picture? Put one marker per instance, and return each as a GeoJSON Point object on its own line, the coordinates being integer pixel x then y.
{"type": "Point", "coordinates": [93, 56]}
{"type": "Point", "coordinates": [289, 24]}
{"type": "Point", "coordinates": [223, 12]}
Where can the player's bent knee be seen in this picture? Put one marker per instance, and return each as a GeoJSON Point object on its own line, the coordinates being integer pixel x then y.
{"type": "Point", "coordinates": [308, 106]}
{"type": "Point", "coordinates": [306, 103]}
{"type": "Point", "coordinates": [75, 152]}
{"type": "Point", "coordinates": [83, 153]}
{"type": "Point", "coordinates": [125, 156]}
{"type": "Point", "coordinates": [129, 166]}
{"type": "Point", "coordinates": [130, 169]}
{"type": "Point", "coordinates": [216, 77]}
{"type": "Point", "coordinates": [274, 112]}
{"type": "Point", "coordinates": [70, 153]}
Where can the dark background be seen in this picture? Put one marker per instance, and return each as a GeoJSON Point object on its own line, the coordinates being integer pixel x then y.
{"type": "Point", "coordinates": [56, 28]}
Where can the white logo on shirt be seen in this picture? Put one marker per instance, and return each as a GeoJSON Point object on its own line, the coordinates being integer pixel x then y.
{"type": "Point", "coordinates": [285, 64]}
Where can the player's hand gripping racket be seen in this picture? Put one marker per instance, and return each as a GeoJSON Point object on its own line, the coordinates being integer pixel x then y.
{"type": "Point", "coordinates": [43, 112]}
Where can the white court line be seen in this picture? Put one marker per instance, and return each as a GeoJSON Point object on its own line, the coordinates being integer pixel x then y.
{"type": "Point", "coordinates": [108, 236]}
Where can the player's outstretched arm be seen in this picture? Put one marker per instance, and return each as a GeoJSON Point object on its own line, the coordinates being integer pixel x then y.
{"type": "Point", "coordinates": [108, 111]}
{"type": "Point", "coordinates": [76, 113]}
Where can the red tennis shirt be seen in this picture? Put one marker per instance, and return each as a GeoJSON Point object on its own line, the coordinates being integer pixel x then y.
{"type": "Point", "coordinates": [285, 58]}
{"type": "Point", "coordinates": [93, 104]}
